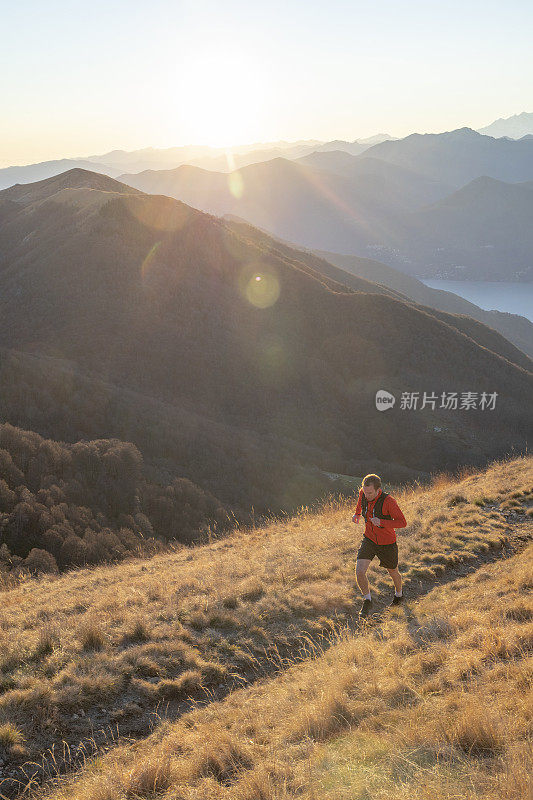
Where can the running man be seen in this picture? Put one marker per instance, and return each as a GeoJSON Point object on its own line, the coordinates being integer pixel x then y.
{"type": "Point", "coordinates": [382, 515]}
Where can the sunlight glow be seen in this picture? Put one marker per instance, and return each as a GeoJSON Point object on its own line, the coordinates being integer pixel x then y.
{"type": "Point", "coordinates": [236, 184]}
{"type": "Point", "coordinates": [222, 100]}
{"type": "Point", "coordinates": [260, 287]}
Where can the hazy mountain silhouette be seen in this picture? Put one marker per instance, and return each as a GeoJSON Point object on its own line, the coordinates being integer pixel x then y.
{"type": "Point", "coordinates": [47, 169]}
{"type": "Point", "coordinates": [373, 178]}
{"type": "Point", "coordinates": [213, 158]}
{"type": "Point", "coordinates": [515, 127]}
{"type": "Point", "coordinates": [365, 206]}
{"type": "Point", "coordinates": [227, 162]}
{"type": "Point", "coordinates": [352, 148]}
{"type": "Point", "coordinates": [155, 297]}
{"type": "Point", "coordinates": [347, 210]}
{"type": "Point", "coordinates": [117, 161]}
{"type": "Point", "coordinates": [481, 232]}
{"type": "Point", "coordinates": [216, 157]}
{"type": "Point", "coordinates": [377, 138]}
{"type": "Point", "coordinates": [291, 200]}
{"type": "Point", "coordinates": [459, 156]}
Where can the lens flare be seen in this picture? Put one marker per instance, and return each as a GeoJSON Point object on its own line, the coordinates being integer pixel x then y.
{"type": "Point", "coordinates": [230, 161]}
{"type": "Point", "coordinates": [260, 286]}
{"type": "Point", "coordinates": [147, 263]}
{"type": "Point", "coordinates": [236, 184]}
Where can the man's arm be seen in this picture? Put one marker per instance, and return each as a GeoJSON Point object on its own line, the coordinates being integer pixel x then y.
{"type": "Point", "coordinates": [391, 507]}
{"type": "Point", "coordinates": [357, 514]}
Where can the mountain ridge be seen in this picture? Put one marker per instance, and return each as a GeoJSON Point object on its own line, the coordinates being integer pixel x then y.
{"type": "Point", "coordinates": [158, 297]}
{"type": "Point", "coordinates": [366, 208]}
{"type": "Point", "coordinates": [516, 127]}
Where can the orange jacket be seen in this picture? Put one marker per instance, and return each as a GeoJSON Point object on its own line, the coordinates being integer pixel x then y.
{"type": "Point", "coordinates": [385, 533]}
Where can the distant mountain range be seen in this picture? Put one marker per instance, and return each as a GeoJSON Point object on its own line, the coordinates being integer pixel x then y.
{"type": "Point", "coordinates": [419, 204]}
{"type": "Point", "coordinates": [375, 181]}
{"type": "Point", "coordinates": [515, 127]}
{"type": "Point", "coordinates": [349, 208]}
{"type": "Point", "coordinates": [459, 156]}
{"type": "Point", "coordinates": [202, 156]}
{"type": "Point", "coordinates": [117, 162]}
{"type": "Point", "coordinates": [452, 205]}
{"type": "Point", "coordinates": [264, 357]}
{"type": "Point", "coordinates": [219, 159]}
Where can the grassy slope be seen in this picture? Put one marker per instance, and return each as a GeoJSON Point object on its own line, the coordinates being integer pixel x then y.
{"type": "Point", "coordinates": [444, 712]}
{"type": "Point", "coordinates": [105, 645]}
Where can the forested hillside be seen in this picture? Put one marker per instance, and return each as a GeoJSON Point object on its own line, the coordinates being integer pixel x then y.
{"type": "Point", "coordinates": [74, 505]}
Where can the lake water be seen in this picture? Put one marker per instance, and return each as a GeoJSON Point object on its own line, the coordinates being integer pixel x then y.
{"type": "Point", "coordinates": [516, 298]}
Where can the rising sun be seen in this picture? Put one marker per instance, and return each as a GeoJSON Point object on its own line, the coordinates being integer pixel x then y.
{"type": "Point", "coordinates": [222, 100]}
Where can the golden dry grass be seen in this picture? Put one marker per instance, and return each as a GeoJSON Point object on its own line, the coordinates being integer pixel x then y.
{"type": "Point", "coordinates": [409, 709]}
{"type": "Point", "coordinates": [111, 643]}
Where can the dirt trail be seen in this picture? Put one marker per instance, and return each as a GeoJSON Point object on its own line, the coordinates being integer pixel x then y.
{"type": "Point", "coordinates": [517, 536]}
{"type": "Point", "coordinates": [17, 780]}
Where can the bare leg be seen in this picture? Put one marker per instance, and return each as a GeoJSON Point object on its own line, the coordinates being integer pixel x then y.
{"type": "Point", "coordinates": [360, 574]}
{"type": "Point", "coordinates": [397, 579]}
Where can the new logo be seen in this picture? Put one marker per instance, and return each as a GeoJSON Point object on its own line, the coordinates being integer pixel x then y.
{"type": "Point", "coordinates": [384, 400]}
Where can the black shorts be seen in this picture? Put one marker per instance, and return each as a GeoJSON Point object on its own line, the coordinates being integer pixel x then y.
{"type": "Point", "coordinates": [387, 553]}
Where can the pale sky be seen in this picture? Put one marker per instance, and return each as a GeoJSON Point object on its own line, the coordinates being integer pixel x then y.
{"type": "Point", "coordinates": [79, 78]}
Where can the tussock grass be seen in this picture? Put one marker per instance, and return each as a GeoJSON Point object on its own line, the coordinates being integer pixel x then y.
{"type": "Point", "coordinates": [476, 731]}
{"type": "Point", "coordinates": [91, 636]}
{"type": "Point", "coordinates": [9, 735]}
{"type": "Point", "coordinates": [367, 717]}
{"type": "Point", "coordinates": [48, 640]}
{"type": "Point", "coordinates": [181, 625]}
{"type": "Point", "coordinates": [148, 779]}
{"type": "Point", "coordinates": [139, 632]}
{"type": "Point", "coordinates": [188, 683]}
{"type": "Point", "coordinates": [222, 757]}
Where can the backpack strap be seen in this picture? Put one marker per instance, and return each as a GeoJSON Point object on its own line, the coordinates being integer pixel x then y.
{"type": "Point", "coordinates": [378, 508]}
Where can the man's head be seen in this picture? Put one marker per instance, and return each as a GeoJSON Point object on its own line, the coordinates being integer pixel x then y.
{"type": "Point", "coordinates": [371, 486]}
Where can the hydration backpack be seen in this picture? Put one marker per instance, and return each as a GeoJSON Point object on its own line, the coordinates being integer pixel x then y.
{"type": "Point", "coordinates": [378, 508]}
